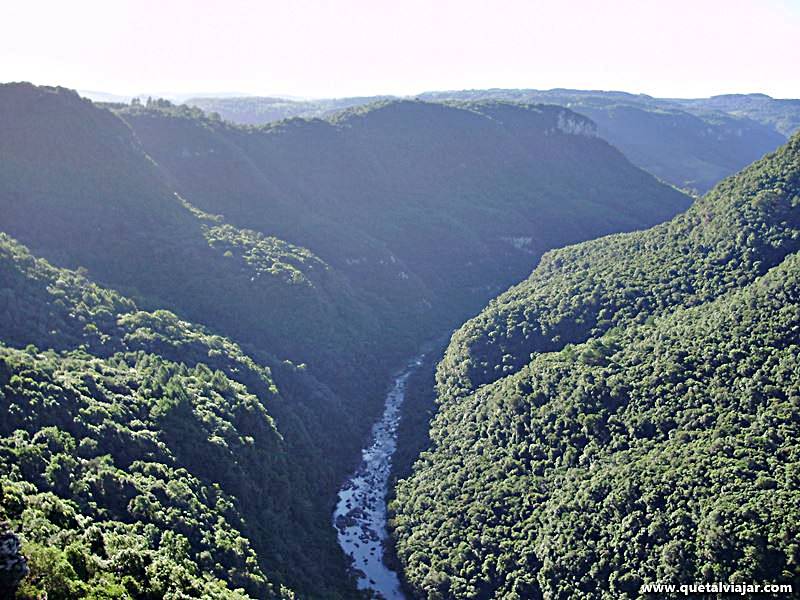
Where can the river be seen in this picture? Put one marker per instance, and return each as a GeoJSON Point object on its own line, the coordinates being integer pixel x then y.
{"type": "Point", "coordinates": [360, 515]}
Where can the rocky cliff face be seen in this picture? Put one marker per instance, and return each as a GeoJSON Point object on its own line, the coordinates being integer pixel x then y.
{"type": "Point", "coordinates": [571, 123]}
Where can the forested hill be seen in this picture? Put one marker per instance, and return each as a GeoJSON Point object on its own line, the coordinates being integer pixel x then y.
{"type": "Point", "coordinates": [691, 143]}
{"type": "Point", "coordinates": [142, 456]}
{"type": "Point", "coordinates": [79, 190]}
{"type": "Point", "coordinates": [781, 114]}
{"type": "Point", "coordinates": [189, 377]}
{"type": "Point", "coordinates": [414, 201]}
{"type": "Point", "coordinates": [319, 240]}
{"type": "Point", "coordinates": [628, 414]}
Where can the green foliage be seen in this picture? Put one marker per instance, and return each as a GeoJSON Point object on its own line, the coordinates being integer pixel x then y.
{"type": "Point", "coordinates": [262, 255]}
{"type": "Point", "coordinates": [727, 239]}
{"type": "Point", "coordinates": [629, 414]}
{"type": "Point", "coordinates": [106, 467]}
{"type": "Point", "coordinates": [108, 434]}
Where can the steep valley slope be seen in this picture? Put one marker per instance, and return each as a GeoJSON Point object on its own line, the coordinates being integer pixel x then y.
{"type": "Point", "coordinates": [629, 414]}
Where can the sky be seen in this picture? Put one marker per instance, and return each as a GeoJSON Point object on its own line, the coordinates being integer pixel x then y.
{"type": "Point", "coordinates": [318, 48]}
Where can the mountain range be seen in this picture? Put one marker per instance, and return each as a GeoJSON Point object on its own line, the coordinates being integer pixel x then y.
{"type": "Point", "coordinates": [690, 143]}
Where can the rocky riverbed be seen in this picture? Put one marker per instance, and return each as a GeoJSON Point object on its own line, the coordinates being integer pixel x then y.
{"type": "Point", "coordinates": [360, 515]}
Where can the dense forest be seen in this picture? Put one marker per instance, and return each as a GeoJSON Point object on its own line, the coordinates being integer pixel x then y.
{"type": "Point", "coordinates": [140, 453]}
{"type": "Point", "coordinates": [197, 319]}
{"type": "Point", "coordinates": [691, 143]}
{"type": "Point", "coordinates": [628, 414]}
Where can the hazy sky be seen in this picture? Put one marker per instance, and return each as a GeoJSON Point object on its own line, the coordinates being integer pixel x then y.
{"type": "Point", "coordinates": [324, 48]}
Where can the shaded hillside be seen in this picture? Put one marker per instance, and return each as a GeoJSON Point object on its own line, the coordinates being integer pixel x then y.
{"type": "Point", "coordinates": [629, 414]}
{"type": "Point", "coordinates": [375, 207]}
{"type": "Point", "coordinates": [692, 151]}
{"type": "Point", "coordinates": [691, 143]}
{"type": "Point", "coordinates": [421, 205]}
{"type": "Point", "coordinates": [79, 191]}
